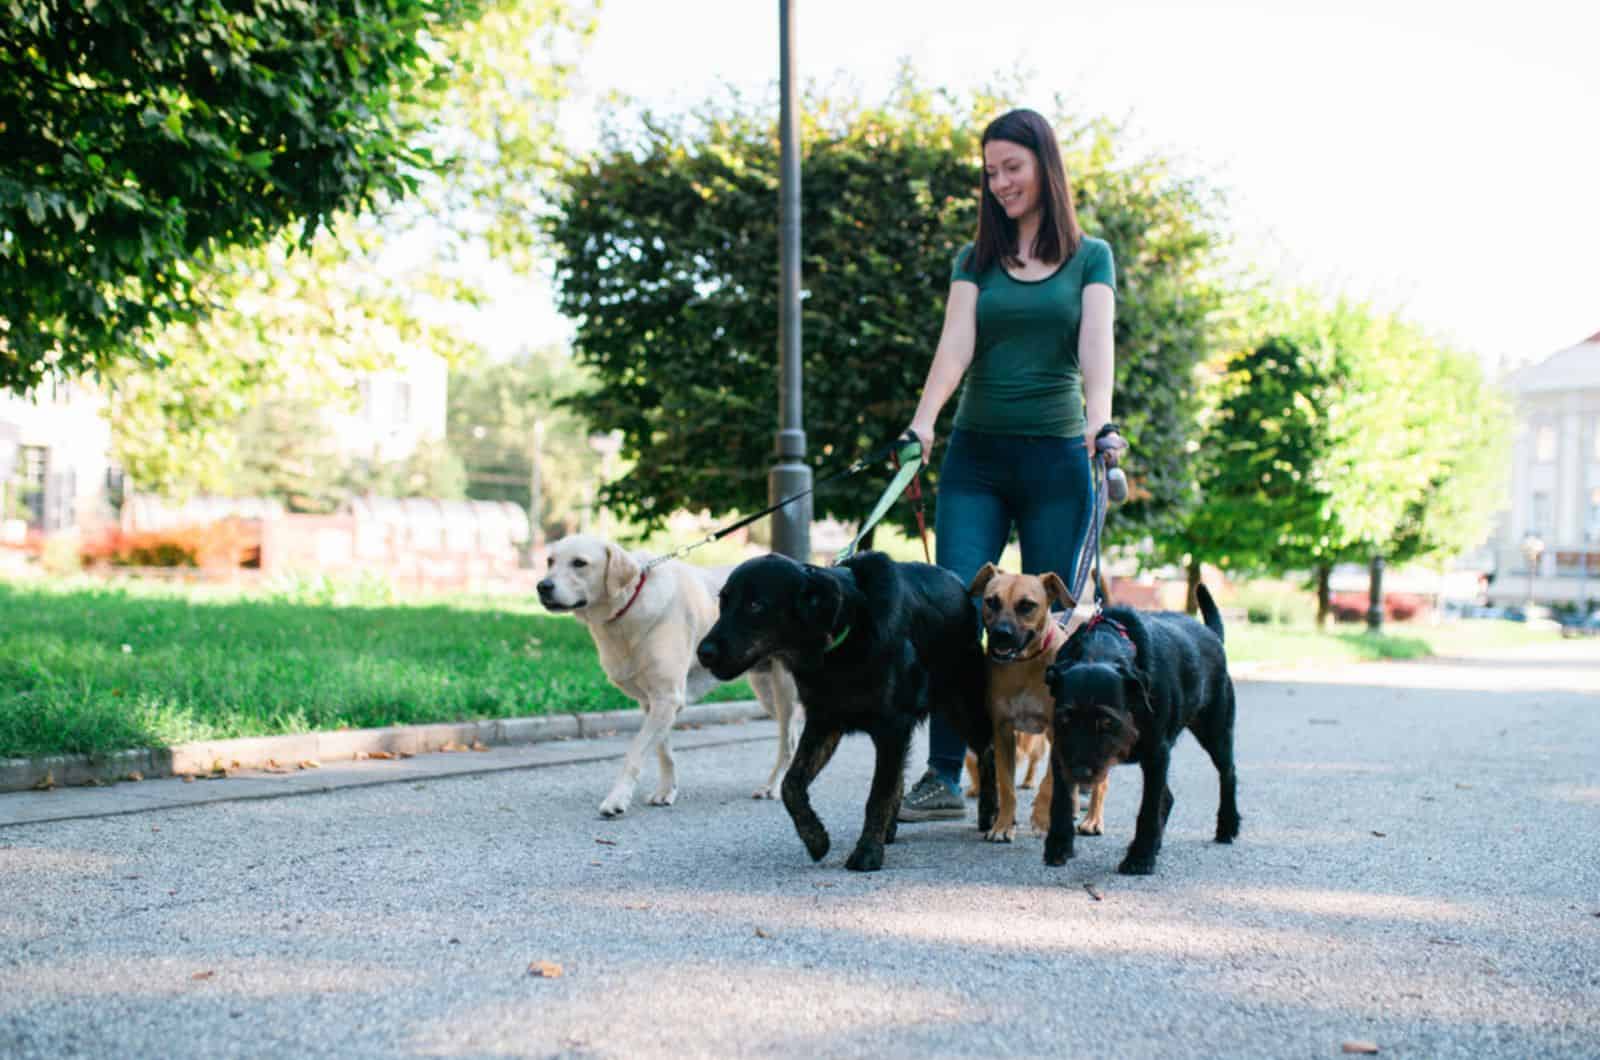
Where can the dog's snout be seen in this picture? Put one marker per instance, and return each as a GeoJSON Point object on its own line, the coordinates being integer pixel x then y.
{"type": "Point", "coordinates": [707, 653]}
{"type": "Point", "coordinates": [545, 587]}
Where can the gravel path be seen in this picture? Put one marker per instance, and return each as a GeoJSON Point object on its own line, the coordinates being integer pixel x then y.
{"type": "Point", "coordinates": [1417, 870]}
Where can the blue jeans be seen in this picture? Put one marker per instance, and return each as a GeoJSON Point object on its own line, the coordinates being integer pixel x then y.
{"type": "Point", "coordinates": [988, 484]}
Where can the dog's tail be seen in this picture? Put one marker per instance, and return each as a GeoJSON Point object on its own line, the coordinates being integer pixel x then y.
{"type": "Point", "coordinates": [1208, 610]}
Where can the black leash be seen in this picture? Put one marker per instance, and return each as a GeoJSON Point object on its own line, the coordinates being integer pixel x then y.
{"type": "Point", "coordinates": [855, 467]}
{"type": "Point", "coordinates": [1105, 482]}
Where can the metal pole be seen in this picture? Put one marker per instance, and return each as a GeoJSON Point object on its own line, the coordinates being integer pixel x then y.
{"type": "Point", "coordinates": [1375, 596]}
{"type": "Point", "coordinates": [791, 524]}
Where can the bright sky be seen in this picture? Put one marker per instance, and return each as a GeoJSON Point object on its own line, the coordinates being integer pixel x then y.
{"type": "Point", "coordinates": [1441, 159]}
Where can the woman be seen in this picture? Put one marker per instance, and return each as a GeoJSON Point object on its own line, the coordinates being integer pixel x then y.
{"type": "Point", "coordinates": [1028, 321]}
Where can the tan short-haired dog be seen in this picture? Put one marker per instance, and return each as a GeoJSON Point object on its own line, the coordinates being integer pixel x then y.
{"type": "Point", "coordinates": [1023, 640]}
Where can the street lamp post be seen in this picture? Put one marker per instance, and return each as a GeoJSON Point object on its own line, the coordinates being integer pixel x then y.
{"type": "Point", "coordinates": [1532, 549]}
{"type": "Point", "coordinates": [791, 524]}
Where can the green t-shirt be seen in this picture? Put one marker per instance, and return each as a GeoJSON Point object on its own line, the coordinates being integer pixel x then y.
{"type": "Point", "coordinates": [1024, 377]}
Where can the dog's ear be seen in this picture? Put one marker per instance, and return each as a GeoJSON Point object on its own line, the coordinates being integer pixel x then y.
{"type": "Point", "coordinates": [819, 601]}
{"type": "Point", "coordinates": [1137, 695]}
{"type": "Point", "coordinates": [1058, 591]}
{"type": "Point", "coordinates": [981, 579]}
{"type": "Point", "coordinates": [620, 569]}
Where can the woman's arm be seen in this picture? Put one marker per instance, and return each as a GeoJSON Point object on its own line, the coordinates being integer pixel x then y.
{"type": "Point", "coordinates": [950, 360]}
{"type": "Point", "coordinates": [1096, 361]}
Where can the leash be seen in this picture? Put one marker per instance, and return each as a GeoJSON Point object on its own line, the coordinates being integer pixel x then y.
{"type": "Point", "coordinates": [896, 448]}
{"type": "Point", "coordinates": [1104, 483]}
{"type": "Point", "coordinates": [907, 457]}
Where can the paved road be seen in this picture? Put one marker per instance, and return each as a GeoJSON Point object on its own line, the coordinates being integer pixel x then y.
{"type": "Point", "coordinates": [1418, 870]}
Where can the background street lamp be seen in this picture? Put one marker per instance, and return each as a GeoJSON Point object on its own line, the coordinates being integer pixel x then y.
{"type": "Point", "coordinates": [1532, 549]}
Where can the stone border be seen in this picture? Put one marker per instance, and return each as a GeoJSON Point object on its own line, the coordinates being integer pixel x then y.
{"type": "Point", "coordinates": [206, 757]}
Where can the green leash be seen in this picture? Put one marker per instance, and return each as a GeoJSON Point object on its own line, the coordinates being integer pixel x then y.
{"type": "Point", "coordinates": [909, 454]}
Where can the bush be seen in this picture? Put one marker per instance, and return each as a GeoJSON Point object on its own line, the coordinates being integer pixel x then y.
{"type": "Point", "coordinates": [227, 543]}
{"type": "Point", "coordinates": [1272, 603]}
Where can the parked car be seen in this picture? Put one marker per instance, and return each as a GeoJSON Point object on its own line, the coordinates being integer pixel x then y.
{"type": "Point", "coordinates": [1581, 626]}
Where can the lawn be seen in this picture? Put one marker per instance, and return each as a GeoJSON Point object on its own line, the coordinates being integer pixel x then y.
{"type": "Point", "coordinates": [86, 669]}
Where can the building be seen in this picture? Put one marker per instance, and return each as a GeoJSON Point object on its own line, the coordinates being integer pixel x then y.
{"type": "Point", "coordinates": [1547, 547]}
{"type": "Point", "coordinates": [55, 465]}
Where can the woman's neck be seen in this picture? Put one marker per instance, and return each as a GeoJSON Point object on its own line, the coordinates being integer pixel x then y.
{"type": "Point", "coordinates": [1027, 232]}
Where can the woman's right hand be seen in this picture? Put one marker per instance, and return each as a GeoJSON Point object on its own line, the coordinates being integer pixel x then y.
{"type": "Point", "coordinates": [924, 434]}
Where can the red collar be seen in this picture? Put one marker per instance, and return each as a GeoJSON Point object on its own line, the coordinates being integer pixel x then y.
{"type": "Point", "coordinates": [643, 575]}
{"type": "Point", "coordinates": [1101, 617]}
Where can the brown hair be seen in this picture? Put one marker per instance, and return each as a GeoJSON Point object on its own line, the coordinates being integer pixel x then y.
{"type": "Point", "coordinates": [1059, 234]}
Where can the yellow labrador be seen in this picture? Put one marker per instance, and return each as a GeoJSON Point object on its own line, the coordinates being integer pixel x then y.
{"type": "Point", "coordinates": [645, 625]}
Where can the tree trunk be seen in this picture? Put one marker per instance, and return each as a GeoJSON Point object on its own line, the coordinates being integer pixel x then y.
{"type": "Point", "coordinates": [1191, 603]}
{"type": "Point", "coordinates": [1375, 595]}
{"type": "Point", "coordinates": [1324, 595]}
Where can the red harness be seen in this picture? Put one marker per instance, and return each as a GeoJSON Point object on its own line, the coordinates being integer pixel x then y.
{"type": "Point", "coordinates": [1101, 618]}
{"type": "Point", "coordinates": [643, 577]}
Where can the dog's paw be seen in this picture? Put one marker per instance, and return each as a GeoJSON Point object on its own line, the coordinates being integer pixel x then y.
{"type": "Point", "coordinates": [768, 792]}
{"type": "Point", "coordinates": [1057, 851]}
{"type": "Point", "coordinates": [1227, 830]}
{"type": "Point", "coordinates": [1137, 864]}
{"type": "Point", "coordinates": [1090, 828]}
{"type": "Point", "coordinates": [816, 842]}
{"type": "Point", "coordinates": [866, 857]}
{"type": "Point", "coordinates": [1001, 834]}
{"type": "Point", "coordinates": [613, 807]}
{"type": "Point", "coordinates": [664, 798]}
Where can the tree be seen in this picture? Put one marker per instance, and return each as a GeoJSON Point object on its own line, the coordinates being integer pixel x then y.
{"type": "Point", "coordinates": [506, 414]}
{"type": "Point", "coordinates": [317, 314]}
{"type": "Point", "coordinates": [137, 141]}
{"type": "Point", "coordinates": [667, 250]}
{"type": "Point", "coordinates": [1339, 437]}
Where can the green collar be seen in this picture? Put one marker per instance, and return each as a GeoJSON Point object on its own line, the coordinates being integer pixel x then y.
{"type": "Point", "coordinates": [837, 641]}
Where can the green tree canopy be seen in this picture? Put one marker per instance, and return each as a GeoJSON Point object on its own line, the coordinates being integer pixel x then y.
{"type": "Point", "coordinates": [137, 140]}
{"type": "Point", "coordinates": [667, 242]}
{"type": "Point", "coordinates": [299, 319]}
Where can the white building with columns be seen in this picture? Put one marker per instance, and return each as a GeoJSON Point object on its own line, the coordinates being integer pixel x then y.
{"type": "Point", "coordinates": [1548, 545]}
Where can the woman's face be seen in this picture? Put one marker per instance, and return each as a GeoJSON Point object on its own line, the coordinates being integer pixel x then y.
{"type": "Point", "coordinates": [1012, 173]}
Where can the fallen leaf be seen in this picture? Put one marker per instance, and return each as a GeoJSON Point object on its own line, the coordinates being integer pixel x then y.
{"type": "Point", "coordinates": [404, 754]}
{"type": "Point", "coordinates": [605, 842]}
{"type": "Point", "coordinates": [310, 763]}
{"type": "Point", "coordinates": [452, 746]}
{"type": "Point", "coordinates": [545, 970]}
{"type": "Point", "coordinates": [597, 863]}
{"type": "Point", "coordinates": [207, 974]}
{"type": "Point", "coordinates": [188, 778]}
{"type": "Point", "coordinates": [1463, 787]}
{"type": "Point", "coordinates": [46, 782]}
{"type": "Point", "coordinates": [826, 885]}
{"type": "Point", "coordinates": [1093, 893]}
{"type": "Point", "coordinates": [385, 755]}
{"type": "Point", "coordinates": [478, 745]}
{"type": "Point", "coordinates": [135, 775]}
{"type": "Point", "coordinates": [1380, 835]}
{"type": "Point", "coordinates": [1363, 1048]}
{"type": "Point", "coordinates": [762, 934]}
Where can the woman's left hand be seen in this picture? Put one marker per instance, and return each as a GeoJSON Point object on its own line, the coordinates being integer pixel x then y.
{"type": "Point", "coordinates": [1111, 446]}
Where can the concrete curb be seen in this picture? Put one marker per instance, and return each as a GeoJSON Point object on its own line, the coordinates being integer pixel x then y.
{"type": "Point", "coordinates": [208, 757]}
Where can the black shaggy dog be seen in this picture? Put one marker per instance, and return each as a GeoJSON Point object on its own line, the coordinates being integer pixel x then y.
{"type": "Point", "coordinates": [1126, 684]}
{"type": "Point", "coordinates": [874, 646]}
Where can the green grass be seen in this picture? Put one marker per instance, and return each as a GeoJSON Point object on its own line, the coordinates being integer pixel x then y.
{"type": "Point", "coordinates": [1291, 644]}
{"type": "Point", "coordinates": [91, 669]}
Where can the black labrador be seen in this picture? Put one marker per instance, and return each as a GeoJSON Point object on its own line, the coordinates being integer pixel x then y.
{"type": "Point", "coordinates": [1126, 684]}
{"type": "Point", "coordinates": [875, 646]}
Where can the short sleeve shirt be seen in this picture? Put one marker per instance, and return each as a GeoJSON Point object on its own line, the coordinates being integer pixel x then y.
{"type": "Point", "coordinates": [1024, 377]}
